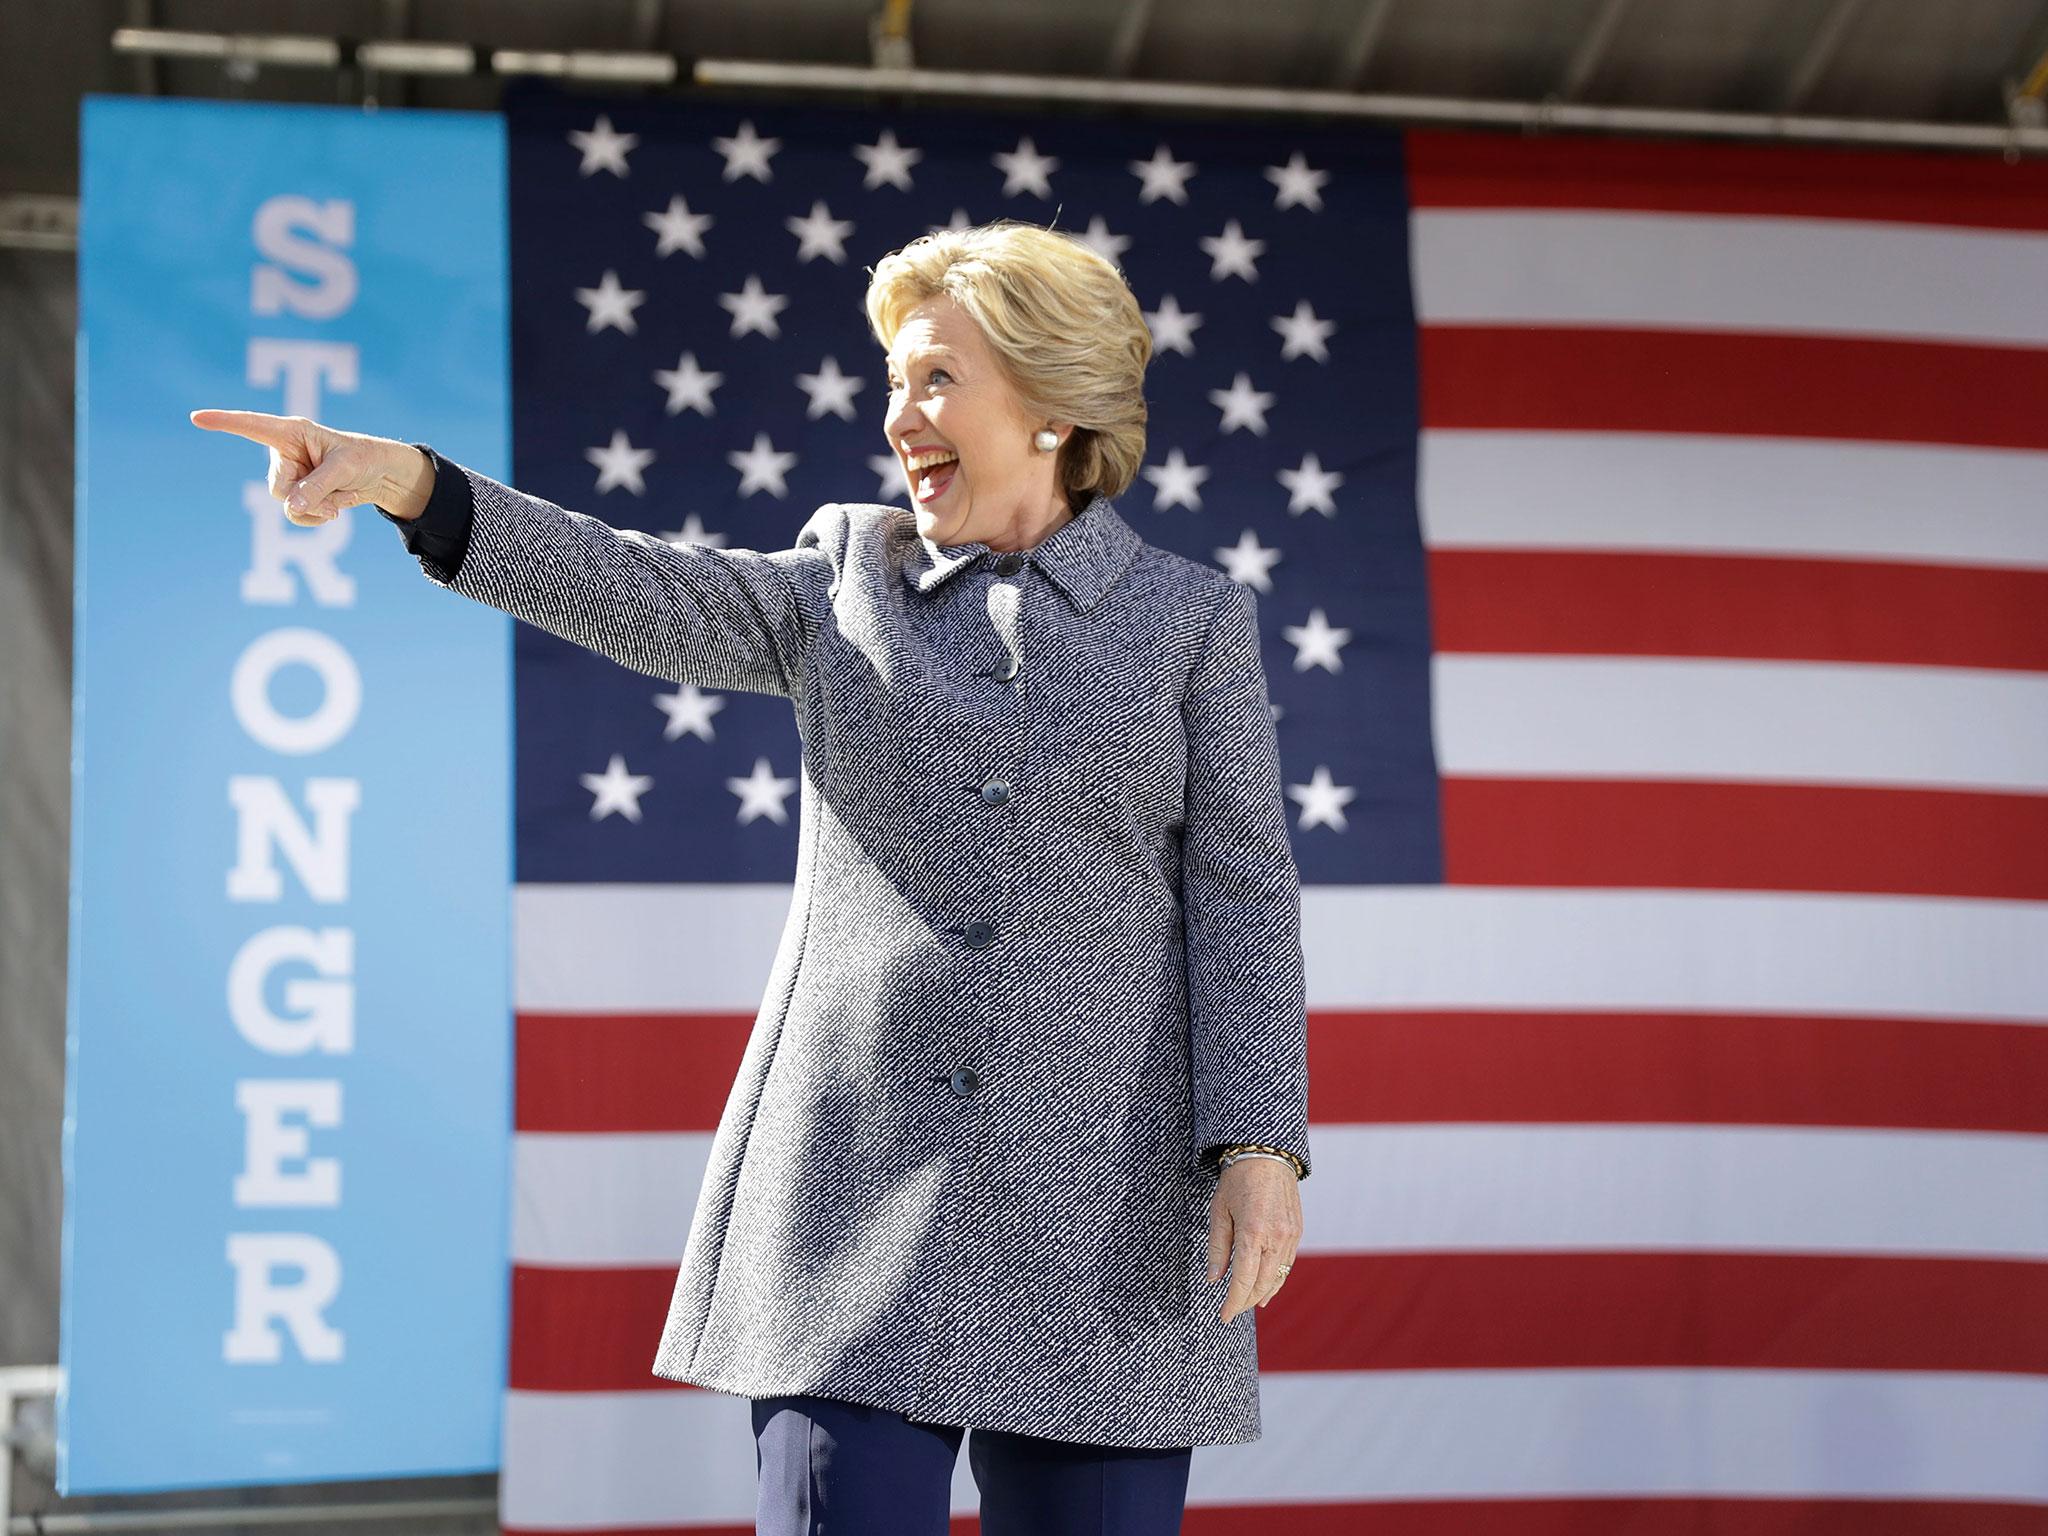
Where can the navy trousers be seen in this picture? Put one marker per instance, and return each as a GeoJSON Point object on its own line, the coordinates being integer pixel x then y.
{"type": "Point", "coordinates": [831, 1468]}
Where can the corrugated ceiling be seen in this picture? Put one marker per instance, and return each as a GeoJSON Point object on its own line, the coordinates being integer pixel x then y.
{"type": "Point", "coordinates": [1925, 60]}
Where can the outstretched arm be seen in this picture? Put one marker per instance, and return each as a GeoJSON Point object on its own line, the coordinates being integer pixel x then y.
{"type": "Point", "coordinates": [690, 613]}
{"type": "Point", "coordinates": [722, 618]}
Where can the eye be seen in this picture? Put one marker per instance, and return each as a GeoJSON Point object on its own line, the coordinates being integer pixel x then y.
{"type": "Point", "coordinates": [936, 372]}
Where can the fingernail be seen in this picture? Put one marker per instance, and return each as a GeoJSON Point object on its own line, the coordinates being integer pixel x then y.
{"type": "Point", "coordinates": [296, 501]}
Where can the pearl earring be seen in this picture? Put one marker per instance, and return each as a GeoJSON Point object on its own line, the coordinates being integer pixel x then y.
{"type": "Point", "coordinates": [1045, 439]}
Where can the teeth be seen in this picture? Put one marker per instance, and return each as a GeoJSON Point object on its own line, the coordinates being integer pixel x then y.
{"type": "Point", "coordinates": [933, 456]}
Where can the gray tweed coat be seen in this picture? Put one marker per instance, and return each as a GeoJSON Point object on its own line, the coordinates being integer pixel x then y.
{"type": "Point", "coordinates": [1043, 956]}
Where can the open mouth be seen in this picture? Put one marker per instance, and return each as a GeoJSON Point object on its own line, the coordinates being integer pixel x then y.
{"type": "Point", "coordinates": [929, 483]}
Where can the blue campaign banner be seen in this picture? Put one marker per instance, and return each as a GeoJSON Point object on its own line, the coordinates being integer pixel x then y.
{"type": "Point", "coordinates": [287, 1137]}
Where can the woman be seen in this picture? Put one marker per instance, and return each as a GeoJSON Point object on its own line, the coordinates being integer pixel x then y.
{"type": "Point", "coordinates": [1015, 1140]}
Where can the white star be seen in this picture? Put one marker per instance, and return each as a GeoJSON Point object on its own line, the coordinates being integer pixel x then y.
{"type": "Point", "coordinates": [693, 531]}
{"type": "Point", "coordinates": [1026, 170]}
{"type": "Point", "coordinates": [688, 709]}
{"type": "Point", "coordinates": [830, 390]}
{"type": "Point", "coordinates": [754, 309]}
{"type": "Point", "coordinates": [1173, 329]}
{"type": "Point", "coordinates": [1176, 482]}
{"type": "Point", "coordinates": [1233, 252]}
{"type": "Point", "coordinates": [1249, 561]}
{"type": "Point", "coordinates": [1322, 802]}
{"type": "Point", "coordinates": [616, 790]}
{"type": "Point", "coordinates": [1303, 332]}
{"type": "Point", "coordinates": [746, 153]}
{"type": "Point", "coordinates": [1297, 183]}
{"type": "Point", "coordinates": [610, 304]}
{"type": "Point", "coordinates": [620, 463]}
{"type": "Point", "coordinates": [819, 234]}
{"type": "Point", "coordinates": [762, 468]}
{"type": "Point", "coordinates": [689, 387]}
{"type": "Point", "coordinates": [888, 161]}
{"type": "Point", "coordinates": [1316, 642]}
{"type": "Point", "coordinates": [1310, 486]}
{"type": "Point", "coordinates": [1098, 238]}
{"type": "Point", "coordinates": [1242, 406]}
{"type": "Point", "coordinates": [604, 148]}
{"type": "Point", "coordinates": [889, 470]}
{"type": "Point", "coordinates": [958, 221]}
{"type": "Point", "coordinates": [1163, 176]}
{"type": "Point", "coordinates": [679, 229]}
{"type": "Point", "coordinates": [761, 793]}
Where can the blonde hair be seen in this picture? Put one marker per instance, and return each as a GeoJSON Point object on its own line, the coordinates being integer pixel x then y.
{"type": "Point", "coordinates": [1060, 319]}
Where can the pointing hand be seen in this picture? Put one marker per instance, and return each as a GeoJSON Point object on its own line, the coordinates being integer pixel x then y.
{"type": "Point", "coordinates": [319, 472]}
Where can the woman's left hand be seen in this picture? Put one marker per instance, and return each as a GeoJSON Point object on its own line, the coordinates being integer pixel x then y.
{"type": "Point", "coordinates": [1255, 1225]}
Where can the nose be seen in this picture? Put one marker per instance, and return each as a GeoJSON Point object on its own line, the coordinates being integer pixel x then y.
{"type": "Point", "coordinates": [902, 421]}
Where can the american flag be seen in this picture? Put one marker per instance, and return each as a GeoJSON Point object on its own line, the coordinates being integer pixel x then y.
{"type": "Point", "coordinates": [1652, 547]}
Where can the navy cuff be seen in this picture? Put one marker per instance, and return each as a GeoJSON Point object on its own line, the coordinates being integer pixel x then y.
{"type": "Point", "coordinates": [442, 531]}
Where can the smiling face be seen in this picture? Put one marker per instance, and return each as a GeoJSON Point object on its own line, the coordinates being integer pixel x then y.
{"type": "Point", "coordinates": [948, 394]}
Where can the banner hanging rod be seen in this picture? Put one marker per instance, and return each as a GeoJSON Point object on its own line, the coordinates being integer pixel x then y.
{"type": "Point", "coordinates": [245, 54]}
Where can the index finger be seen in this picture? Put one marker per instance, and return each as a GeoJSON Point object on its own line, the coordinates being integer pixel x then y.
{"type": "Point", "coordinates": [258, 426]}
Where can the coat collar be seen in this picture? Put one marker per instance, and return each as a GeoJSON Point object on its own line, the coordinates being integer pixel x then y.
{"type": "Point", "coordinates": [1083, 556]}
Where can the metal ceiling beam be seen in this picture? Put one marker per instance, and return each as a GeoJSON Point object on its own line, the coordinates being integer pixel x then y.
{"type": "Point", "coordinates": [647, 19]}
{"type": "Point", "coordinates": [754, 74]}
{"type": "Point", "coordinates": [1130, 37]}
{"type": "Point", "coordinates": [1364, 42]}
{"type": "Point", "coordinates": [1820, 53]}
{"type": "Point", "coordinates": [35, 222]}
{"type": "Point", "coordinates": [397, 91]}
{"type": "Point", "coordinates": [890, 45]}
{"type": "Point", "coordinates": [2026, 88]}
{"type": "Point", "coordinates": [148, 72]}
{"type": "Point", "coordinates": [1585, 59]}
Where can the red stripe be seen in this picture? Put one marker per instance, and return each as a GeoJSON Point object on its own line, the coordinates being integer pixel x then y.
{"type": "Point", "coordinates": [1590, 603]}
{"type": "Point", "coordinates": [1621, 1516]}
{"type": "Point", "coordinates": [1674, 1311]}
{"type": "Point", "coordinates": [1617, 1516]}
{"type": "Point", "coordinates": [1512, 170]}
{"type": "Point", "coordinates": [1675, 1069]}
{"type": "Point", "coordinates": [1703, 835]}
{"type": "Point", "coordinates": [596, 1330]}
{"type": "Point", "coordinates": [1452, 1066]}
{"type": "Point", "coordinates": [1587, 378]}
{"type": "Point", "coordinates": [626, 1072]}
{"type": "Point", "coordinates": [588, 1330]}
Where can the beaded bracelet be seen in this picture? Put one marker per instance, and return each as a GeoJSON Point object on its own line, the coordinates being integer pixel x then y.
{"type": "Point", "coordinates": [1235, 1150]}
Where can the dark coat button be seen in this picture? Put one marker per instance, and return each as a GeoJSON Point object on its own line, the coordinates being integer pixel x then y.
{"type": "Point", "coordinates": [979, 934]}
{"type": "Point", "coordinates": [964, 1082]}
{"type": "Point", "coordinates": [1010, 564]}
{"type": "Point", "coordinates": [996, 792]}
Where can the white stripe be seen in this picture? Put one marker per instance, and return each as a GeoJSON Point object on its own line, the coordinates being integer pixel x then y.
{"type": "Point", "coordinates": [1698, 493]}
{"type": "Point", "coordinates": [1682, 271]}
{"type": "Point", "coordinates": [605, 1460]}
{"type": "Point", "coordinates": [1627, 717]}
{"type": "Point", "coordinates": [589, 1461]}
{"type": "Point", "coordinates": [1731, 1433]}
{"type": "Point", "coordinates": [603, 1200]}
{"type": "Point", "coordinates": [627, 948]}
{"type": "Point", "coordinates": [1696, 951]}
{"type": "Point", "coordinates": [1410, 947]}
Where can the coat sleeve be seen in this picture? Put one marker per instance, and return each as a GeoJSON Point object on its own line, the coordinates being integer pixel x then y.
{"type": "Point", "coordinates": [719, 618]}
{"type": "Point", "coordinates": [1241, 901]}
